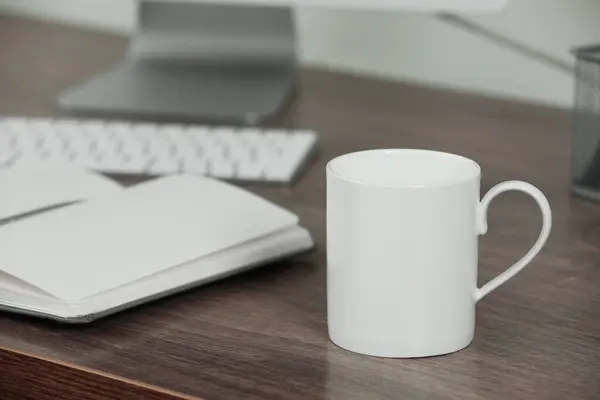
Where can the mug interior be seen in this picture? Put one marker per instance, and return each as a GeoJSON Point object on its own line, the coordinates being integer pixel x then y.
{"type": "Point", "coordinates": [404, 168]}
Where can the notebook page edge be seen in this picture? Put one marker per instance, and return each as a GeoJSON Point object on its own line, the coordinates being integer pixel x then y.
{"type": "Point", "coordinates": [83, 185]}
{"type": "Point", "coordinates": [10, 283]}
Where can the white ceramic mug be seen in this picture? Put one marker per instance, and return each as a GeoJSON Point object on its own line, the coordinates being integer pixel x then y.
{"type": "Point", "coordinates": [402, 249]}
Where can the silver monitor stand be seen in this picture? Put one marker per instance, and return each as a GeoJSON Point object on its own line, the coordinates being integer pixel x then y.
{"type": "Point", "coordinates": [198, 61]}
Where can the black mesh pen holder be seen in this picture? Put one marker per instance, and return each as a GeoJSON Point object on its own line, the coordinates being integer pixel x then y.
{"type": "Point", "coordinates": [585, 150]}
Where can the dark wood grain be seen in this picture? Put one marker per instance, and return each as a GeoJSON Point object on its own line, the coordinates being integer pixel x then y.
{"type": "Point", "coordinates": [28, 377]}
{"type": "Point", "coordinates": [263, 335]}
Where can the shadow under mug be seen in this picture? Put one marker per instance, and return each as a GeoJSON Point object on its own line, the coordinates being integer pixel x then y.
{"type": "Point", "coordinates": [402, 250]}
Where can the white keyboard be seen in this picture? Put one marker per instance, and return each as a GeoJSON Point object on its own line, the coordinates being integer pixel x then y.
{"type": "Point", "coordinates": [245, 154]}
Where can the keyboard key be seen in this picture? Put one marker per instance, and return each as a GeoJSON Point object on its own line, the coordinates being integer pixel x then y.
{"type": "Point", "coordinates": [195, 166]}
{"type": "Point", "coordinates": [276, 138]}
{"type": "Point", "coordinates": [42, 127]}
{"type": "Point", "coordinates": [239, 152]}
{"type": "Point", "coordinates": [130, 165]}
{"type": "Point", "coordinates": [198, 135]}
{"type": "Point", "coordinates": [144, 133]}
{"type": "Point", "coordinates": [295, 153]}
{"type": "Point", "coordinates": [188, 153]}
{"type": "Point", "coordinates": [109, 163]}
{"type": "Point", "coordinates": [9, 140]}
{"type": "Point", "coordinates": [162, 165]}
{"type": "Point", "coordinates": [7, 156]}
{"type": "Point", "coordinates": [13, 125]}
{"type": "Point", "coordinates": [83, 159]}
{"type": "Point", "coordinates": [66, 125]}
{"type": "Point", "coordinates": [222, 169]}
{"type": "Point", "coordinates": [52, 144]}
{"type": "Point", "coordinates": [249, 171]}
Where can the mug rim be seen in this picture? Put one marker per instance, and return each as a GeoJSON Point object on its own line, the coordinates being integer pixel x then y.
{"type": "Point", "coordinates": [464, 178]}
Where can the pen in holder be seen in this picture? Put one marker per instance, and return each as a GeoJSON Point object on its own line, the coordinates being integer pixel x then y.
{"type": "Point", "coordinates": [585, 150]}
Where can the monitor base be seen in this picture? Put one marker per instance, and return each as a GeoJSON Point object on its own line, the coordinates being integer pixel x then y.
{"type": "Point", "coordinates": [198, 62]}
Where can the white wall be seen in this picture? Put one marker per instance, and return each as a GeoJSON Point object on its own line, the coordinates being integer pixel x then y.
{"type": "Point", "coordinates": [522, 53]}
{"type": "Point", "coordinates": [549, 26]}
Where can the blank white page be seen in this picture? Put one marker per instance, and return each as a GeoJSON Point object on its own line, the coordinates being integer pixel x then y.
{"type": "Point", "coordinates": [29, 188]}
{"type": "Point", "coordinates": [82, 250]}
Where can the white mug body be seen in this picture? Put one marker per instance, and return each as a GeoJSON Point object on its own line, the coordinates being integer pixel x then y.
{"type": "Point", "coordinates": [402, 250]}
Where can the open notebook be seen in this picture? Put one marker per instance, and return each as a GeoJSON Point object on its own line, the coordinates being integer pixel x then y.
{"type": "Point", "coordinates": [126, 246]}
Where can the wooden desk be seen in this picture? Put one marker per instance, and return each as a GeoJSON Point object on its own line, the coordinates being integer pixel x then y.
{"type": "Point", "coordinates": [262, 335]}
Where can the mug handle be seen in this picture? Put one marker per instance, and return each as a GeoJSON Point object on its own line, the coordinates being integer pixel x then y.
{"type": "Point", "coordinates": [482, 230]}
